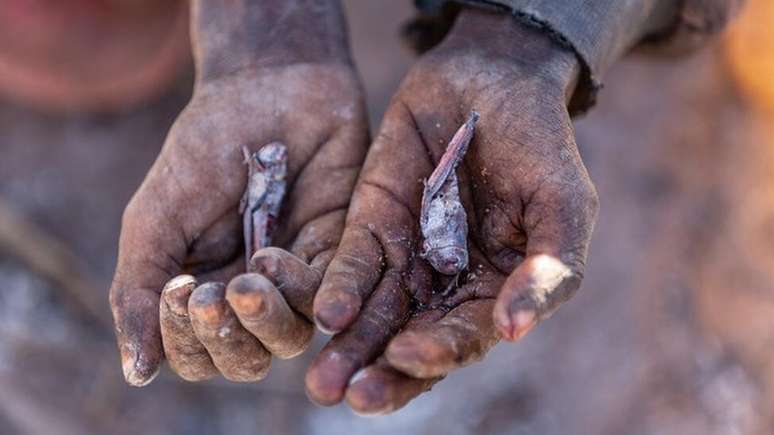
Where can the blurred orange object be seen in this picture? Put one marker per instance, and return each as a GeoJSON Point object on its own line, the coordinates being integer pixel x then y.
{"type": "Point", "coordinates": [92, 55]}
{"type": "Point", "coordinates": [749, 49]}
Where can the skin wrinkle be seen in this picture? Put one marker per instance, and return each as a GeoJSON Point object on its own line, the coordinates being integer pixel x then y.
{"type": "Point", "coordinates": [498, 204]}
{"type": "Point", "coordinates": [400, 264]}
{"type": "Point", "coordinates": [302, 169]}
{"type": "Point", "coordinates": [296, 226]}
{"type": "Point", "coordinates": [321, 216]}
{"type": "Point", "coordinates": [169, 169]}
{"type": "Point", "coordinates": [374, 278]}
{"type": "Point", "coordinates": [382, 270]}
{"type": "Point", "coordinates": [201, 246]}
{"type": "Point", "coordinates": [393, 196]}
{"type": "Point", "coordinates": [431, 159]}
{"type": "Point", "coordinates": [317, 255]}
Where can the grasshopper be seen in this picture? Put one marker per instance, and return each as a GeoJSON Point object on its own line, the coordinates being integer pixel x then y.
{"type": "Point", "coordinates": [261, 203]}
{"type": "Point", "coordinates": [443, 221]}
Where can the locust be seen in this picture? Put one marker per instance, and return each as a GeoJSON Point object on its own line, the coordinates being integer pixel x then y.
{"type": "Point", "coordinates": [443, 221]}
{"type": "Point", "coordinates": [261, 203]}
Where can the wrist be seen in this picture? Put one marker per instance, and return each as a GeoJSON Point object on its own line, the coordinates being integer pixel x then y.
{"type": "Point", "coordinates": [500, 36]}
{"type": "Point", "coordinates": [249, 34]}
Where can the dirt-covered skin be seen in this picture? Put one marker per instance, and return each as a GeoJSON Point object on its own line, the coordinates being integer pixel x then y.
{"type": "Point", "coordinates": [530, 204]}
{"type": "Point", "coordinates": [266, 71]}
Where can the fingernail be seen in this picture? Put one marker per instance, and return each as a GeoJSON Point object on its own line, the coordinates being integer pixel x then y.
{"type": "Point", "coordinates": [247, 295]}
{"type": "Point", "coordinates": [207, 305]}
{"type": "Point", "coordinates": [265, 262]}
{"type": "Point", "coordinates": [249, 305]}
{"type": "Point", "coordinates": [176, 293]}
{"type": "Point", "coordinates": [137, 371]}
{"type": "Point", "coordinates": [521, 323]}
{"type": "Point", "coordinates": [334, 312]}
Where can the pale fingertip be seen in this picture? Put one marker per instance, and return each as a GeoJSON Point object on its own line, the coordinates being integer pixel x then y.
{"type": "Point", "coordinates": [514, 326]}
{"type": "Point", "coordinates": [502, 319]}
{"type": "Point", "coordinates": [138, 371]}
{"type": "Point", "coordinates": [523, 321]}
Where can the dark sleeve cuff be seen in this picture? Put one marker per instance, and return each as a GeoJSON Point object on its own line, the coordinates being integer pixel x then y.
{"type": "Point", "coordinates": [601, 31]}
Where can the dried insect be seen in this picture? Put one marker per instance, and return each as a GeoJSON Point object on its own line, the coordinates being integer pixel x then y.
{"type": "Point", "coordinates": [443, 221]}
{"type": "Point", "coordinates": [262, 200]}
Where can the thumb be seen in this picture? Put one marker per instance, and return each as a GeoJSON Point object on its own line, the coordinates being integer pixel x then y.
{"type": "Point", "coordinates": [560, 222]}
{"type": "Point", "coordinates": [151, 250]}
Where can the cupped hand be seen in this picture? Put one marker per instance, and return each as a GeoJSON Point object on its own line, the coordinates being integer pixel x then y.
{"type": "Point", "coordinates": [185, 219]}
{"type": "Point", "coordinates": [401, 326]}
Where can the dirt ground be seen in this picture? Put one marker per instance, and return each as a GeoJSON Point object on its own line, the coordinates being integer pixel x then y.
{"type": "Point", "coordinates": [671, 333]}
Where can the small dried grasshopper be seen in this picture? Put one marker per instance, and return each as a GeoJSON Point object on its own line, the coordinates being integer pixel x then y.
{"type": "Point", "coordinates": [261, 203]}
{"type": "Point", "coordinates": [442, 220]}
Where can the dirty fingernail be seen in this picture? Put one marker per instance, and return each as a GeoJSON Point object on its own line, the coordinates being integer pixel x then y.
{"type": "Point", "coordinates": [335, 311]}
{"type": "Point", "coordinates": [176, 293]}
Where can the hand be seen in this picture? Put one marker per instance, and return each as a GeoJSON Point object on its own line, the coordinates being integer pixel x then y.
{"type": "Point", "coordinates": [531, 207]}
{"type": "Point", "coordinates": [184, 217]}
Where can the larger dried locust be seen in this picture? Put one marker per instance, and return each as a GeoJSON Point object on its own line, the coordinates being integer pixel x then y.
{"type": "Point", "coordinates": [442, 220]}
{"type": "Point", "coordinates": [262, 200]}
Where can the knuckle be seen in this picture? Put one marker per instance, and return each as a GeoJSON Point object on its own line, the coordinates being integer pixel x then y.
{"type": "Point", "coordinates": [137, 212]}
{"type": "Point", "coordinates": [114, 296]}
{"type": "Point", "coordinates": [579, 197]}
{"type": "Point", "coordinates": [590, 197]}
{"type": "Point", "coordinates": [131, 212]}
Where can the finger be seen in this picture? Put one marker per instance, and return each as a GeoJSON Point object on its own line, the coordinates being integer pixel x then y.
{"type": "Point", "coordinates": [322, 179]}
{"type": "Point", "coordinates": [150, 250]}
{"type": "Point", "coordinates": [380, 389]}
{"type": "Point", "coordinates": [293, 277]}
{"type": "Point", "coordinates": [350, 278]}
{"type": "Point", "coordinates": [559, 224]}
{"type": "Point", "coordinates": [319, 235]}
{"type": "Point", "coordinates": [383, 315]}
{"type": "Point", "coordinates": [186, 355]}
{"type": "Point", "coordinates": [321, 261]}
{"type": "Point", "coordinates": [262, 310]}
{"type": "Point", "coordinates": [535, 289]}
{"type": "Point", "coordinates": [225, 273]}
{"type": "Point", "coordinates": [483, 281]}
{"type": "Point", "coordinates": [382, 223]}
{"type": "Point", "coordinates": [460, 338]}
{"type": "Point", "coordinates": [234, 351]}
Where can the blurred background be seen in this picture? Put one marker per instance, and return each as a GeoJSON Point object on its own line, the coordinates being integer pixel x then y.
{"type": "Point", "coordinates": [673, 332]}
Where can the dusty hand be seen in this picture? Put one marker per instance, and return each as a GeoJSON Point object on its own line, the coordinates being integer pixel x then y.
{"type": "Point", "coordinates": [530, 205]}
{"type": "Point", "coordinates": [184, 218]}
